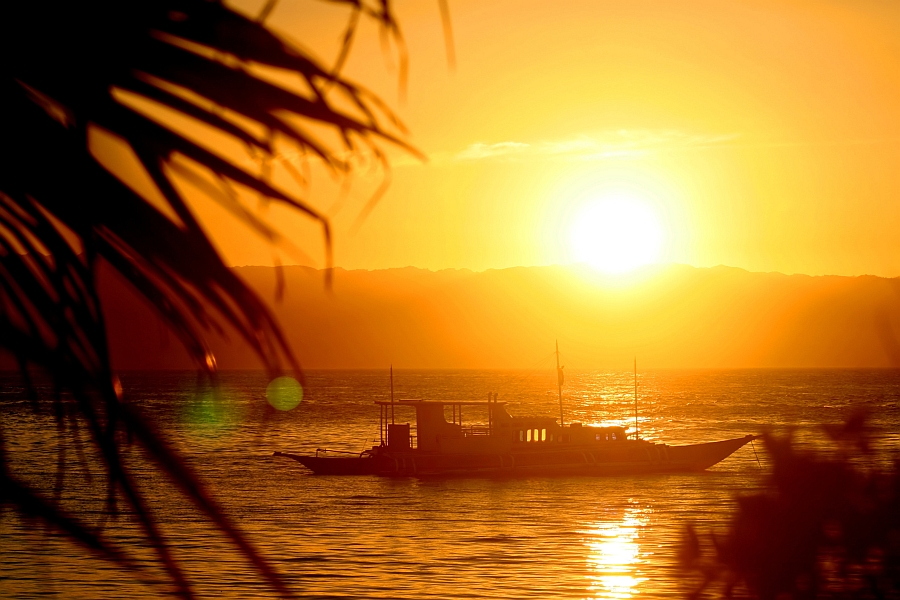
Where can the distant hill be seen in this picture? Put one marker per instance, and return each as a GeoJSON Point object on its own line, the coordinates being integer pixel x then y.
{"type": "Point", "coordinates": [673, 316]}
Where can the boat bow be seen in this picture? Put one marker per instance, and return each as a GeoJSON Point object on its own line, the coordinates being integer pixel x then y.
{"type": "Point", "coordinates": [698, 457]}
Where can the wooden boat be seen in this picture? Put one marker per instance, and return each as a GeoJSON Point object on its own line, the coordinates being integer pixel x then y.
{"type": "Point", "coordinates": [510, 446]}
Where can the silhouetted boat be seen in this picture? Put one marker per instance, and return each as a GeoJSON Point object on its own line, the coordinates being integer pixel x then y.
{"type": "Point", "coordinates": [509, 445]}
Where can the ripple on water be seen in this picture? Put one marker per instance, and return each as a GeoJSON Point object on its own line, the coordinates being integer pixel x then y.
{"type": "Point", "coordinates": [368, 537]}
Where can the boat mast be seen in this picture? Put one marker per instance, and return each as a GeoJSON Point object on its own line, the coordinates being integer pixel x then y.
{"type": "Point", "coordinates": [635, 400]}
{"type": "Point", "coordinates": [392, 394]}
{"type": "Point", "coordinates": [559, 382]}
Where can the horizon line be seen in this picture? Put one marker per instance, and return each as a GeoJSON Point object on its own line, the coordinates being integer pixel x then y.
{"type": "Point", "coordinates": [584, 266]}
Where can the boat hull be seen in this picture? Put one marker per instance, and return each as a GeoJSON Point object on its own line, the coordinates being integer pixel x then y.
{"type": "Point", "coordinates": [335, 465]}
{"type": "Point", "coordinates": [624, 458]}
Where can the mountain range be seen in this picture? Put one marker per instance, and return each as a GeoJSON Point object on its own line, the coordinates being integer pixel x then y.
{"type": "Point", "coordinates": [672, 316]}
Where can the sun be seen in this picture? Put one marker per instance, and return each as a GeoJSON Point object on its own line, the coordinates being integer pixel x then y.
{"type": "Point", "coordinates": [616, 234]}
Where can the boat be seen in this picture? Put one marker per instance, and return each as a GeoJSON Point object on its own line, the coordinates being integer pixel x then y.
{"type": "Point", "coordinates": [508, 446]}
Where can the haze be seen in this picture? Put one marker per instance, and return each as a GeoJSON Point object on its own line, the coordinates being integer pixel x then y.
{"type": "Point", "coordinates": [669, 317]}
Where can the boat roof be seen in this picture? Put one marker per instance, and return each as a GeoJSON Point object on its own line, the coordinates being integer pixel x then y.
{"type": "Point", "coordinates": [419, 402]}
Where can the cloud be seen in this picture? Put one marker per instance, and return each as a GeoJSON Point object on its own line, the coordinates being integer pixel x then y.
{"type": "Point", "coordinates": [621, 143]}
{"type": "Point", "coordinates": [481, 150]}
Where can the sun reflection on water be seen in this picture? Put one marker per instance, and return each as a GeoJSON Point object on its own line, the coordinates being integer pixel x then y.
{"type": "Point", "coordinates": [614, 558]}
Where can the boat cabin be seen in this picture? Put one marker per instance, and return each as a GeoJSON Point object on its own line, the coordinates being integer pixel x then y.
{"type": "Point", "coordinates": [433, 433]}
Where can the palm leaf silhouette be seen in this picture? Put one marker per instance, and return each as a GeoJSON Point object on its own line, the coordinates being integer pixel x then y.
{"type": "Point", "coordinates": [73, 69]}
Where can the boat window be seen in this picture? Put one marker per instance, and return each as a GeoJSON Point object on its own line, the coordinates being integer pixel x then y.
{"type": "Point", "coordinates": [543, 435]}
{"type": "Point", "coordinates": [529, 435]}
{"type": "Point", "coordinates": [551, 437]}
{"type": "Point", "coordinates": [536, 438]}
{"type": "Point", "coordinates": [614, 436]}
{"type": "Point", "coordinates": [607, 437]}
{"type": "Point", "coordinates": [597, 437]}
{"type": "Point", "coordinates": [521, 436]}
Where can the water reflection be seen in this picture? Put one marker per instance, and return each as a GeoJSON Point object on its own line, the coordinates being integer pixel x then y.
{"type": "Point", "coordinates": [614, 557]}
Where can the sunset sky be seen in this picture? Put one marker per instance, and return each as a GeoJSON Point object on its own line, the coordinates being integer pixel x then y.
{"type": "Point", "coordinates": [763, 135]}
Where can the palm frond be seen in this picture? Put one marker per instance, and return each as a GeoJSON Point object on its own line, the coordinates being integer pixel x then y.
{"type": "Point", "coordinates": [70, 70]}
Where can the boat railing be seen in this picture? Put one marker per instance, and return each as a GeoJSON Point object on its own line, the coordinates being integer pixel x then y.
{"type": "Point", "coordinates": [327, 451]}
{"type": "Point", "coordinates": [476, 430]}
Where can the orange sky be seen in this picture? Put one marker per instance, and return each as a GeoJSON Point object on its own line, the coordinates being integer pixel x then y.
{"type": "Point", "coordinates": [763, 135]}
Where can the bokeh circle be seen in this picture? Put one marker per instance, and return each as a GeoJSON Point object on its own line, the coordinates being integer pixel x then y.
{"type": "Point", "coordinates": [284, 393]}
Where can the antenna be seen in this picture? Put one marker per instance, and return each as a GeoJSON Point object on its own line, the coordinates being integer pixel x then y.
{"type": "Point", "coordinates": [392, 393]}
{"type": "Point", "coordinates": [635, 400]}
{"type": "Point", "coordinates": [559, 381]}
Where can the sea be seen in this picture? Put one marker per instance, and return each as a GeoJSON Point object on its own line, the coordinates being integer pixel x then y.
{"type": "Point", "coordinates": [375, 537]}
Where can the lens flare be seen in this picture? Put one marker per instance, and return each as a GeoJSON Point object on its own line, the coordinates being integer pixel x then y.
{"type": "Point", "coordinates": [284, 393]}
{"type": "Point", "coordinates": [210, 411]}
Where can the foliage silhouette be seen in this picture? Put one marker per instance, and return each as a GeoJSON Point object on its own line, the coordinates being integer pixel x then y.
{"type": "Point", "coordinates": [825, 526]}
{"type": "Point", "coordinates": [76, 70]}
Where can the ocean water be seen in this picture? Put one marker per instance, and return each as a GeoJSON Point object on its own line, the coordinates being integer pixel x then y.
{"type": "Point", "coordinates": [372, 537]}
